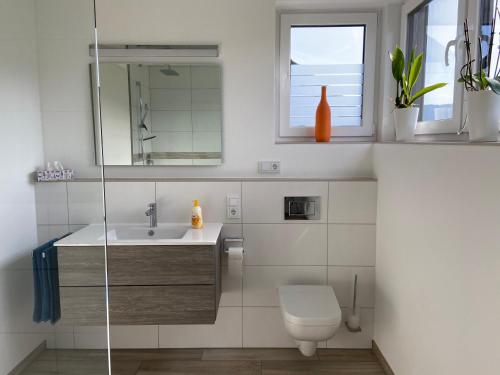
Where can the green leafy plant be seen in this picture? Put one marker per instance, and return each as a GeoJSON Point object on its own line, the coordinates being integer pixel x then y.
{"type": "Point", "coordinates": [480, 80]}
{"type": "Point", "coordinates": [406, 75]}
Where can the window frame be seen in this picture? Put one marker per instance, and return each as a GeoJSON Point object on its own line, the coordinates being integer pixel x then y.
{"type": "Point", "coordinates": [453, 125]}
{"type": "Point", "coordinates": [287, 20]}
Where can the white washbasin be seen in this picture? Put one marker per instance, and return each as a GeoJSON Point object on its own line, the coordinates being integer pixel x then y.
{"type": "Point", "coordinates": [141, 233]}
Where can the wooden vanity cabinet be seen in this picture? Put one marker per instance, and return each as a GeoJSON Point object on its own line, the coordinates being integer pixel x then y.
{"type": "Point", "coordinates": [148, 285]}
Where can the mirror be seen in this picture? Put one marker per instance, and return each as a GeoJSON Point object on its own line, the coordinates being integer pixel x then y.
{"type": "Point", "coordinates": [160, 114]}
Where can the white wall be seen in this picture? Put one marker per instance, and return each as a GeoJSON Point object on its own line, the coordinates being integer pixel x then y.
{"type": "Point", "coordinates": [21, 153]}
{"type": "Point", "coordinates": [65, 30]}
{"type": "Point", "coordinates": [246, 33]}
{"type": "Point", "coordinates": [438, 259]}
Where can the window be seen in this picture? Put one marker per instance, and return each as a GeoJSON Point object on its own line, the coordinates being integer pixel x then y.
{"type": "Point", "coordinates": [333, 50]}
{"type": "Point", "coordinates": [486, 15]}
{"type": "Point", "coordinates": [434, 28]}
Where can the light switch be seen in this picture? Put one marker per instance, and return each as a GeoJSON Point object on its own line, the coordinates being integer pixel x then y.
{"type": "Point", "coordinates": [233, 206]}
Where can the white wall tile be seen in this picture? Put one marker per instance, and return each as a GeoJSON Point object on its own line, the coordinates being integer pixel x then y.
{"type": "Point", "coordinates": [358, 340]}
{"type": "Point", "coordinates": [85, 202]}
{"type": "Point", "coordinates": [225, 333]}
{"type": "Point", "coordinates": [261, 282]}
{"type": "Point", "coordinates": [207, 120]}
{"type": "Point", "coordinates": [171, 121]}
{"type": "Point", "coordinates": [158, 80]}
{"type": "Point", "coordinates": [206, 76]}
{"type": "Point", "coordinates": [291, 244]}
{"type": "Point", "coordinates": [49, 232]}
{"type": "Point", "coordinates": [351, 245]}
{"type": "Point", "coordinates": [342, 281]}
{"type": "Point", "coordinates": [231, 282]}
{"type": "Point", "coordinates": [64, 340]}
{"type": "Point", "coordinates": [353, 202]}
{"type": "Point", "coordinates": [90, 337]}
{"type": "Point", "coordinates": [263, 327]}
{"type": "Point", "coordinates": [207, 142]}
{"type": "Point", "coordinates": [263, 202]}
{"type": "Point", "coordinates": [77, 227]}
{"type": "Point", "coordinates": [173, 142]}
{"type": "Point", "coordinates": [170, 99]}
{"type": "Point", "coordinates": [175, 200]}
{"type": "Point", "coordinates": [134, 337]}
{"type": "Point", "coordinates": [51, 203]}
{"type": "Point", "coordinates": [232, 230]}
{"type": "Point", "coordinates": [206, 99]}
{"type": "Point", "coordinates": [127, 202]}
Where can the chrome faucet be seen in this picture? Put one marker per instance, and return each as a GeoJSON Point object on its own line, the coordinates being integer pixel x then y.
{"type": "Point", "coordinates": [152, 214]}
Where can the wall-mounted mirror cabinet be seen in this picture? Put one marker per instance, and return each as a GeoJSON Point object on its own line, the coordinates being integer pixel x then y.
{"type": "Point", "coordinates": [159, 113]}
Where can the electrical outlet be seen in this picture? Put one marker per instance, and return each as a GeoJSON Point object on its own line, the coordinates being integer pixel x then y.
{"type": "Point", "coordinates": [269, 166]}
{"type": "Point", "coordinates": [233, 206]}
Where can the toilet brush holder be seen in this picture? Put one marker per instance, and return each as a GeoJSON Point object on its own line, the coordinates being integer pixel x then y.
{"type": "Point", "coordinates": [353, 320]}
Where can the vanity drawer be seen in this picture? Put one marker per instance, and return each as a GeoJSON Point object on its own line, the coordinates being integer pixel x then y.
{"type": "Point", "coordinates": [81, 265]}
{"type": "Point", "coordinates": [146, 305]}
{"type": "Point", "coordinates": [161, 265]}
{"type": "Point", "coordinates": [85, 306]}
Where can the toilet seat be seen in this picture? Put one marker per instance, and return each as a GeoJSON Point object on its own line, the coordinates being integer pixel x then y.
{"type": "Point", "coordinates": [310, 305]}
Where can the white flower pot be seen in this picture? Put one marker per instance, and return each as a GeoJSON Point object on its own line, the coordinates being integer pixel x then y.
{"type": "Point", "coordinates": [405, 121]}
{"type": "Point", "coordinates": [483, 115]}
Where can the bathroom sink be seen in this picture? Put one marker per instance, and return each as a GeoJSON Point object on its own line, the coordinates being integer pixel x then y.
{"type": "Point", "coordinates": [141, 233]}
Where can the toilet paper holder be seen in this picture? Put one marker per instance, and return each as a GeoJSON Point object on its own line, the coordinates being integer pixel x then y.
{"type": "Point", "coordinates": [232, 242]}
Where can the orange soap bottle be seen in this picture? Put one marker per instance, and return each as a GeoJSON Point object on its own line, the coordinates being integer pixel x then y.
{"type": "Point", "coordinates": [196, 215]}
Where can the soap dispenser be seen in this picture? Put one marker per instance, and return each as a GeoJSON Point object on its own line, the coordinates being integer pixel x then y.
{"type": "Point", "coordinates": [196, 215]}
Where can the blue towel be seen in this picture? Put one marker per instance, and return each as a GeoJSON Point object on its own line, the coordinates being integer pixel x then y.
{"type": "Point", "coordinates": [47, 305]}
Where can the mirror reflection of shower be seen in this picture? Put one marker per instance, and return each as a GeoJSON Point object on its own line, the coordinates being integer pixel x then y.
{"type": "Point", "coordinates": [144, 132]}
{"type": "Point", "coordinates": [169, 72]}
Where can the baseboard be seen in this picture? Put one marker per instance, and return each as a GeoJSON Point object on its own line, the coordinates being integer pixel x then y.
{"type": "Point", "coordinates": [383, 362]}
{"type": "Point", "coordinates": [29, 359]}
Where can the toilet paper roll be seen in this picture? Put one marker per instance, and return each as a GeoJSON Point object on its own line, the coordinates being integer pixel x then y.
{"type": "Point", "coordinates": [234, 260]}
{"type": "Point", "coordinates": [235, 254]}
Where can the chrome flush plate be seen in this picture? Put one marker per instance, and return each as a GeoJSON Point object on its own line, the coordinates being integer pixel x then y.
{"type": "Point", "coordinates": [302, 208]}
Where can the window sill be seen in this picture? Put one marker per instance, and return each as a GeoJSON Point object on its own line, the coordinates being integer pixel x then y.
{"type": "Point", "coordinates": [431, 139]}
{"type": "Point", "coordinates": [442, 139]}
{"type": "Point", "coordinates": [333, 140]}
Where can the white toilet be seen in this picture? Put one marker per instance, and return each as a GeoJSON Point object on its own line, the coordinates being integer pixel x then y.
{"type": "Point", "coordinates": [311, 314]}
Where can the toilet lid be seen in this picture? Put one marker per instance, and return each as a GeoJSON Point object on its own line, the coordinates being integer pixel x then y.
{"type": "Point", "coordinates": [310, 305]}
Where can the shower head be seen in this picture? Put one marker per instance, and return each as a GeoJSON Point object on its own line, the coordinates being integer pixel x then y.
{"type": "Point", "coordinates": [169, 71]}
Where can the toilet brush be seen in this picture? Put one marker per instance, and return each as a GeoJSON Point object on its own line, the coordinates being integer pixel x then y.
{"type": "Point", "coordinates": [353, 320]}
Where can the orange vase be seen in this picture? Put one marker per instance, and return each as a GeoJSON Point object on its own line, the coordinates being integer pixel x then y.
{"type": "Point", "coordinates": [323, 128]}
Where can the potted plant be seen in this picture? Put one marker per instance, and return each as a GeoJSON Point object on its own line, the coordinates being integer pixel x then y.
{"type": "Point", "coordinates": [482, 90]}
{"type": "Point", "coordinates": [406, 76]}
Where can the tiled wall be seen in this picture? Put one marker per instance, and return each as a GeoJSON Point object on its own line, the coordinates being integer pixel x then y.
{"type": "Point", "coordinates": [328, 251]}
{"type": "Point", "coordinates": [186, 110]}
